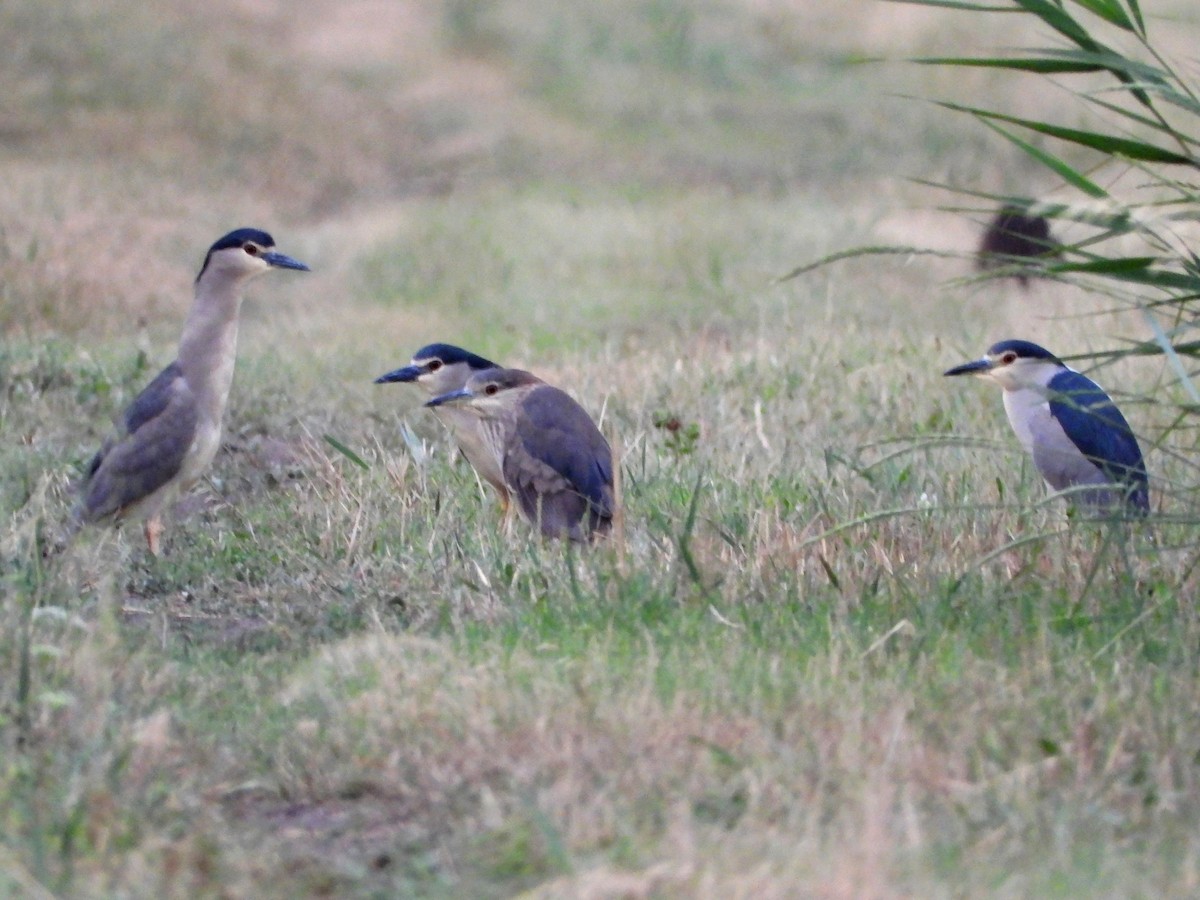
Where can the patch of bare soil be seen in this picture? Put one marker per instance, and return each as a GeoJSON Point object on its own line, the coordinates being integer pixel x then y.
{"type": "Point", "coordinates": [241, 632]}
{"type": "Point", "coordinates": [366, 834]}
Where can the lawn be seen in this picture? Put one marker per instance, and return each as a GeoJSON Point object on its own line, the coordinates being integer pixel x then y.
{"type": "Point", "coordinates": [842, 642]}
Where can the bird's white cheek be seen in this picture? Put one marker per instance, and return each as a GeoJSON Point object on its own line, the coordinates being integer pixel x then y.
{"type": "Point", "coordinates": [1005, 380]}
{"type": "Point", "coordinates": [254, 266]}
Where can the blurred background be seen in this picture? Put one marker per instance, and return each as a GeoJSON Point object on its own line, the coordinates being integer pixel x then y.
{"type": "Point", "coordinates": [607, 194]}
{"type": "Point", "coordinates": [844, 640]}
{"type": "Point", "coordinates": [445, 161]}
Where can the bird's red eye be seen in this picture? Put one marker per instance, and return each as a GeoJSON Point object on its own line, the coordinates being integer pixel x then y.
{"type": "Point", "coordinates": [1008, 358]}
{"type": "Point", "coordinates": [434, 365]}
{"type": "Point", "coordinates": [252, 249]}
{"type": "Point", "coordinates": [491, 389]}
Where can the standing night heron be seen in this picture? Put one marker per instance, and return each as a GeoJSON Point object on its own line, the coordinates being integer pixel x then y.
{"type": "Point", "coordinates": [168, 436]}
{"type": "Point", "coordinates": [1075, 433]}
{"type": "Point", "coordinates": [440, 369]}
{"type": "Point", "coordinates": [554, 459]}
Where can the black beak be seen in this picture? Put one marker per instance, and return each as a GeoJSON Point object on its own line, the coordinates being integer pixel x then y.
{"type": "Point", "coordinates": [974, 367]}
{"type": "Point", "coordinates": [452, 397]}
{"type": "Point", "coordinates": [408, 373]}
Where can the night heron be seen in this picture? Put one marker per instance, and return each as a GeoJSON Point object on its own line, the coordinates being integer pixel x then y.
{"type": "Point", "coordinates": [1075, 433]}
{"type": "Point", "coordinates": [168, 436]}
{"type": "Point", "coordinates": [554, 459]}
{"type": "Point", "coordinates": [440, 369]}
{"type": "Point", "coordinates": [1016, 240]}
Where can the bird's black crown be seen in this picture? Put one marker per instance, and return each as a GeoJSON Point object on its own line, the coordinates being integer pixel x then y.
{"type": "Point", "coordinates": [1024, 350]}
{"type": "Point", "coordinates": [449, 354]}
{"type": "Point", "coordinates": [240, 236]}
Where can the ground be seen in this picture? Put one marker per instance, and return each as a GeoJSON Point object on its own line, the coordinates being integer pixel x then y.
{"type": "Point", "coordinates": [842, 643]}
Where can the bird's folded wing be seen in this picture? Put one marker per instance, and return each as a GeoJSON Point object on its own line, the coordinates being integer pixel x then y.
{"type": "Point", "coordinates": [1096, 427]}
{"type": "Point", "coordinates": [158, 428]}
{"type": "Point", "coordinates": [560, 434]}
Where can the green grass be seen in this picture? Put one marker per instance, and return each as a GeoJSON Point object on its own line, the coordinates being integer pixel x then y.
{"type": "Point", "coordinates": [843, 645]}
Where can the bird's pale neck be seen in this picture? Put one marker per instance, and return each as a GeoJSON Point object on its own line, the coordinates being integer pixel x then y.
{"type": "Point", "coordinates": [208, 347]}
{"type": "Point", "coordinates": [1023, 406]}
{"type": "Point", "coordinates": [456, 418]}
{"type": "Point", "coordinates": [495, 435]}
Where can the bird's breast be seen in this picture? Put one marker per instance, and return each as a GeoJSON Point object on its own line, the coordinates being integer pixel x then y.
{"type": "Point", "coordinates": [1025, 407]}
{"type": "Point", "coordinates": [477, 442]}
{"type": "Point", "coordinates": [202, 451]}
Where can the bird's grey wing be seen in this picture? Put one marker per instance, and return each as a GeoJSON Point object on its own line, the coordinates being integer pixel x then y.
{"type": "Point", "coordinates": [559, 466]}
{"type": "Point", "coordinates": [1097, 429]}
{"type": "Point", "coordinates": [145, 406]}
{"type": "Point", "coordinates": [147, 450]}
{"type": "Point", "coordinates": [563, 435]}
{"type": "Point", "coordinates": [547, 499]}
{"type": "Point", "coordinates": [154, 398]}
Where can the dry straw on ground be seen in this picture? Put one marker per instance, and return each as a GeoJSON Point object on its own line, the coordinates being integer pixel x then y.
{"type": "Point", "coordinates": [843, 648]}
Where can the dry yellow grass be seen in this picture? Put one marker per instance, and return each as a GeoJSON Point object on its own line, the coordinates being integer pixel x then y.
{"type": "Point", "coordinates": [873, 664]}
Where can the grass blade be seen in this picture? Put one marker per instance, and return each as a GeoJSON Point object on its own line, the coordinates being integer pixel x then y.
{"type": "Point", "coordinates": [346, 452]}
{"type": "Point", "coordinates": [1058, 19]}
{"type": "Point", "coordinates": [958, 4]}
{"type": "Point", "coordinates": [1037, 65]}
{"type": "Point", "coordinates": [1110, 11]}
{"type": "Point", "coordinates": [1052, 162]}
{"type": "Point", "coordinates": [1104, 143]}
{"type": "Point", "coordinates": [1135, 11]}
{"type": "Point", "coordinates": [855, 252]}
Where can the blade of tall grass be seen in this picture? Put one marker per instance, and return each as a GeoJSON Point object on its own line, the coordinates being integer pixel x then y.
{"type": "Point", "coordinates": [1158, 123]}
{"type": "Point", "coordinates": [1053, 61]}
{"type": "Point", "coordinates": [856, 252]}
{"type": "Point", "coordinates": [1052, 162]}
{"type": "Point", "coordinates": [1135, 11]}
{"type": "Point", "coordinates": [1038, 66]}
{"type": "Point", "coordinates": [959, 4]}
{"type": "Point", "coordinates": [1095, 140]}
{"type": "Point", "coordinates": [1054, 15]}
{"type": "Point", "coordinates": [1173, 358]}
{"type": "Point", "coordinates": [1111, 12]}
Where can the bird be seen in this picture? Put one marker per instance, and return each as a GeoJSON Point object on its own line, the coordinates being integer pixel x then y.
{"type": "Point", "coordinates": [439, 369]}
{"type": "Point", "coordinates": [1016, 240]}
{"type": "Point", "coordinates": [556, 463]}
{"type": "Point", "coordinates": [1071, 427]}
{"type": "Point", "coordinates": [167, 437]}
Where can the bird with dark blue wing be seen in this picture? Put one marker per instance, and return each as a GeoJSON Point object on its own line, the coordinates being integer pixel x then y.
{"type": "Point", "coordinates": [1077, 437]}
{"type": "Point", "coordinates": [168, 436]}
{"type": "Point", "coordinates": [555, 462]}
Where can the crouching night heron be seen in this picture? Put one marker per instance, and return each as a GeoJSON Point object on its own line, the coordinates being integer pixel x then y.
{"type": "Point", "coordinates": [1075, 433]}
{"type": "Point", "coordinates": [554, 459]}
{"type": "Point", "coordinates": [168, 436]}
{"type": "Point", "coordinates": [440, 369]}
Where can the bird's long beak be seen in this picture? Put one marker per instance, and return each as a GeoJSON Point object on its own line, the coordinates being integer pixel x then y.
{"type": "Point", "coordinates": [282, 261]}
{"type": "Point", "coordinates": [458, 396]}
{"type": "Point", "coordinates": [408, 373]}
{"type": "Point", "coordinates": [974, 367]}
